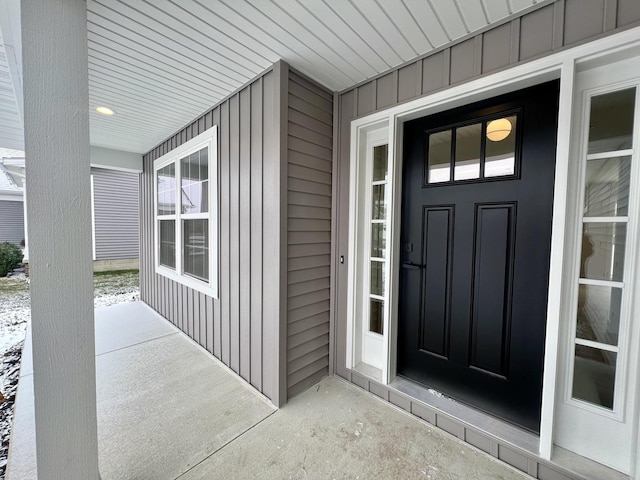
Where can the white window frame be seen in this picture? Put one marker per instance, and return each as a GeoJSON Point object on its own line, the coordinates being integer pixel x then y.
{"type": "Point", "coordinates": [209, 140]}
{"type": "Point", "coordinates": [626, 285]}
{"type": "Point", "coordinates": [366, 347]}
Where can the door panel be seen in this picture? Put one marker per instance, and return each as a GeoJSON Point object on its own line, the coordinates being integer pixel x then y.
{"type": "Point", "coordinates": [492, 294]}
{"type": "Point", "coordinates": [437, 238]}
{"type": "Point", "coordinates": [476, 244]}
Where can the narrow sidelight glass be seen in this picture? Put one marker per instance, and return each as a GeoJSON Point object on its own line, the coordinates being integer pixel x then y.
{"type": "Point", "coordinates": [607, 187]}
{"type": "Point", "coordinates": [594, 376]}
{"type": "Point", "coordinates": [376, 319]}
{"type": "Point", "coordinates": [379, 203]}
{"type": "Point", "coordinates": [603, 249]}
{"type": "Point", "coordinates": [611, 121]}
{"type": "Point", "coordinates": [599, 314]}
{"type": "Point", "coordinates": [377, 278]}
{"type": "Point", "coordinates": [380, 155]}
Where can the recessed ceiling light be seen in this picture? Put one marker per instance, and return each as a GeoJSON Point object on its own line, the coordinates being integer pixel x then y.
{"type": "Point", "coordinates": [105, 110]}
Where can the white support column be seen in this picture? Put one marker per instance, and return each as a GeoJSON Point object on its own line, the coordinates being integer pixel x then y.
{"type": "Point", "coordinates": [56, 112]}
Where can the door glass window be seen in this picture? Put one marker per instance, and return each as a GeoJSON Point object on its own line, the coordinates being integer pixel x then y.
{"type": "Point", "coordinates": [468, 152]}
{"type": "Point", "coordinates": [485, 149]}
{"type": "Point", "coordinates": [439, 163]}
{"type": "Point", "coordinates": [601, 282]}
{"type": "Point", "coordinates": [500, 152]}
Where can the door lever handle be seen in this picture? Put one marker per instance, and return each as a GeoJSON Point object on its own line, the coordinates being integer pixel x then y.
{"type": "Point", "coordinates": [411, 266]}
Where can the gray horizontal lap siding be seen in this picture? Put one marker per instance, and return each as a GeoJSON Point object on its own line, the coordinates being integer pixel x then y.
{"type": "Point", "coordinates": [11, 221]}
{"type": "Point", "coordinates": [534, 34]}
{"type": "Point", "coordinates": [242, 326]}
{"type": "Point", "coordinates": [310, 153]}
{"type": "Point", "coordinates": [116, 214]}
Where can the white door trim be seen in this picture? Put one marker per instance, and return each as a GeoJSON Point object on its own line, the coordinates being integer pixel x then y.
{"type": "Point", "coordinates": [561, 65]}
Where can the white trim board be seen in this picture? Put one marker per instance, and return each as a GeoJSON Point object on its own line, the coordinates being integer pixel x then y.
{"type": "Point", "coordinates": [561, 65]}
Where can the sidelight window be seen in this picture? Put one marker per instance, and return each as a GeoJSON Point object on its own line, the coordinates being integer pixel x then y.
{"type": "Point", "coordinates": [378, 239]}
{"type": "Point", "coordinates": [603, 276]}
{"type": "Point", "coordinates": [185, 216]}
{"type": "Point", "coordinates": [369, 248]}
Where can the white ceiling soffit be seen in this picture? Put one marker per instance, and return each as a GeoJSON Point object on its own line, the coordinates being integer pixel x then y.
{"type": "Point", "coordinates": [160, 63]}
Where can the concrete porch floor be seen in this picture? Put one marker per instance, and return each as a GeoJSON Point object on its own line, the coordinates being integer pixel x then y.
{"type": "Point", "coordinates": [168, 410]}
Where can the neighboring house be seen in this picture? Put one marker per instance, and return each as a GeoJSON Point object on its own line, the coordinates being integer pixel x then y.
{"type": "Point", "coordinates": [464, 224]}
{"type": "Point", "coordinates": [115, 216]}
{"type": "Point", "coordinates": [11, 209]}
{"type": "Point", "coordinates": [116, 220]}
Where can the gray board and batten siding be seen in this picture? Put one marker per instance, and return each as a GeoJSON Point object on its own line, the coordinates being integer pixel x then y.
{"type": "Point", "coordinates": [273, 242]}
{"type": "Point", "coordinates": [116, 216]}
{"type": "Point", "coordinates": [538, 32]}
{"type": "Point", "coordinates": [12, 225]}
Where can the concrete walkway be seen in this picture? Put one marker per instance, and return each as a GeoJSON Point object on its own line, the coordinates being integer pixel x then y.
{"type": "Point", "coordinates": [168, 410]}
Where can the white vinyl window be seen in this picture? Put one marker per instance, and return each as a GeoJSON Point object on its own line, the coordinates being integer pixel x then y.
{"type": "Point", "coordinates": [186, 230]}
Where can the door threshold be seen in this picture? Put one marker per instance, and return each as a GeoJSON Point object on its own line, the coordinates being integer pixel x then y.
{"type": "Point", "coordinates": [370, 371]}
{"type": "Point", "coordinates": [583, 466]}
{"type": "Point", "coordinates": [477, 419]}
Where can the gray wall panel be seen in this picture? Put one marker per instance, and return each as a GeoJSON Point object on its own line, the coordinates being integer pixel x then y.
{"type": "Point", "coordinates": [116, 214]}
{"type": "Point", "coordinates": [532, 44]}
{"type": "Point", "coordinates": [497, 44]}
{"type": "Point", "coordinates": [433, 67]}
{"type": "Point", "coordinates": [628, 12]}
{"type": "Point", "coordinates": [225, 262]}
{"type": "Point", "coordinates": [234, 232]}
{"type": "Point", "coordinates": [582, 19]}
{"type": "Point", "coordinates": [271, 177]}
{"type": "Point", "coordinates": [232, 327]}
{"type": "Point", "coordinates": [462, 61]}
{"type": "Point", "coordinates": [11, 221]}
{"type": "Point", "coordinates": [245, 234]}
{"type": "Point", "coordinates": [366, 98]}
{"type": "Point", "coordinates": [387, 90]}
{"type": "Point", "coordinates": [407, 83]}
{"type": "Point", "coordinates": [256, 233]}
{"type": "Point", "coordinates": [310, 156]}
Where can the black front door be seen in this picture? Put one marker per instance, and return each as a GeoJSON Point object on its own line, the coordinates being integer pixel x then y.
{"type": "Point", "coordinates": [476, 237]}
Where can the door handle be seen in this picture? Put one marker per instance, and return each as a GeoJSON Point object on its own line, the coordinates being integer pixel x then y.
{"type": "Point", "coordinates": [411, 266]}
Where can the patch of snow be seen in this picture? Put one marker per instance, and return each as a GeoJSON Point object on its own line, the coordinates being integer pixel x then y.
{"type": "Point", "coordinates": [129, 295]}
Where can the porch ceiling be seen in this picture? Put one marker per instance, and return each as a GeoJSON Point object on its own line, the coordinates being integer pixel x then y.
{"type": "Point", "coordinates": [160, 64]}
